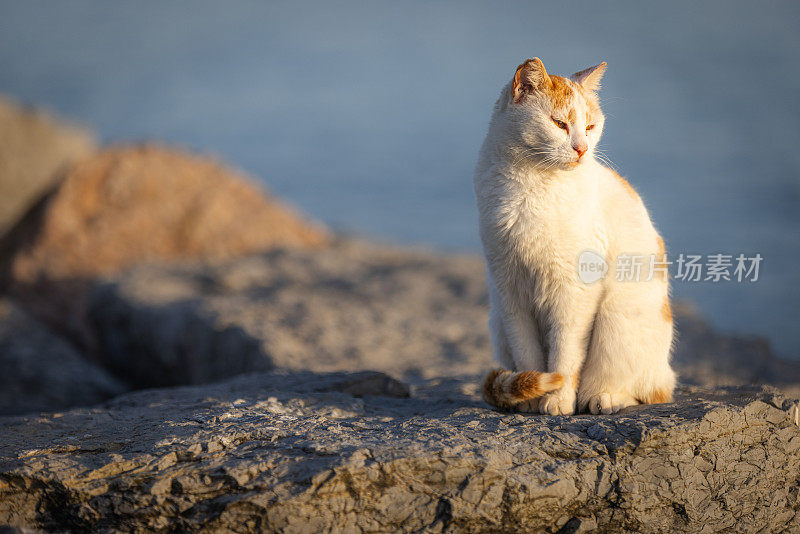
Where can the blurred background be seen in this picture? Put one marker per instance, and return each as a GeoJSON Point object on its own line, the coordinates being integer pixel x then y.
{"type": "Point", "coordinates": [369, 116]}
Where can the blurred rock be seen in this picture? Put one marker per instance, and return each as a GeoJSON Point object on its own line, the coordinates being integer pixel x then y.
{"type": "Point", "coordinates": [126, 206]}
{"type": "Point", "coordinates": [34, 148]}
{"type": "Point", "coordinates": [369, 383]}
{"type": "Point", "coordinates": [705, 356]}
{"type": "Point", "coordinates": [287, 452]}
{"type": "Point", "coordinates": [40, 372]}
{"type": "Point", "coordinates": [353, 306]}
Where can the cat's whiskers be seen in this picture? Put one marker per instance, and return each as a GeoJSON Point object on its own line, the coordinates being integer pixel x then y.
{"type": "Point", "coordinates": [602, 156]}
{"type": "Point", "coordinates": [527, 152]}
{"type": "Point", "coordinates": [548, 162]}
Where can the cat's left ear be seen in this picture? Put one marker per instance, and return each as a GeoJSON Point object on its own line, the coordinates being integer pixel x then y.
{"type": "Point", "coordinates": [590, 78]}
{"type": "Point", "coordinates": [529, 76]}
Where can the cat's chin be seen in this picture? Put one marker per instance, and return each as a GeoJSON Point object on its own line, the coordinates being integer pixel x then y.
{"type": "Point", "coordinates": [565, 165]}
{"type": "Point", "coordinates": [573, 164]}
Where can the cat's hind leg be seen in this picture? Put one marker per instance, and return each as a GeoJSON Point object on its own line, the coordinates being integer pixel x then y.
{"type": "Point", "coordinates": [629, 351]}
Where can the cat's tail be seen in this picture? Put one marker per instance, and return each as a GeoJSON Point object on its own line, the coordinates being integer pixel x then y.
{"type": "Point", "coordinates": [504, 389]}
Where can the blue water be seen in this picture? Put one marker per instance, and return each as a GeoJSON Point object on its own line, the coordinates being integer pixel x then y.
{"type": "Point", "coordinates": [369, 116]}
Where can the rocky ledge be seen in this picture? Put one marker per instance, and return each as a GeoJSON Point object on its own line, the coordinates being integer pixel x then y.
{"type": "Point", "coordinates": [354, 452]}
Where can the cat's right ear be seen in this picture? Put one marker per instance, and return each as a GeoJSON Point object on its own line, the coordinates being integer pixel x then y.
{"type": "Point", "coordinates": [590, 78]}
{"type": "Point", "coordinates": [529, 77]}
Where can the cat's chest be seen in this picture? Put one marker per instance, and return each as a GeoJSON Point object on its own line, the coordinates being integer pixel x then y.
{"type": "Point", "coordinates": [553, 214]}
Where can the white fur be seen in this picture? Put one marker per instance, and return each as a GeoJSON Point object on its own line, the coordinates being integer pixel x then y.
{"type": "Point", "coordinates": [538, 211]}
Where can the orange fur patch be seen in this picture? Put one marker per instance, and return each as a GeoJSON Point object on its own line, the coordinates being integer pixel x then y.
{"type": "Point", "coordinates": [521, 78]}
{"type": "Point", "coordinates": [559, 92]}
{"type": "Point", "coordinates": [525, 385]}
{"type": "Point", "coordinates": [661, 249]}
{"type": "Point", "coordinates": [515, 85]}
{"type": "Point", "coordinates": [504, 389]}
{"type": "Point", "coordinates": [666, 311]}
{"type": "Point", "coordinates": [550, 381]}
{"type": "Point", "coordinates": [658, 396]}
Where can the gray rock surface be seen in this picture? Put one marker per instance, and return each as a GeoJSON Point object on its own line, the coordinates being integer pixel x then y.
{"type": "Point", "coordinates": [298, 452]}
{"type": "Point", "coordinates": [353, 306]}
{"type": "Point", "coordinates": [41, 372]}
{"type": "Point", "coordinates": [414, 314]}
{"type": "Point", "coordinates": [708, 357]}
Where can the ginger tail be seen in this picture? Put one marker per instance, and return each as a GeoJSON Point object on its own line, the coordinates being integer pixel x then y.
{"type": "Point", "coordinates": [504, 389]}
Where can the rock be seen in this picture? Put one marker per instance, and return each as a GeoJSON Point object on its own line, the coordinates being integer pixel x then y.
{"type": "Point", "coordinates": [287, 452]}
{"type": "Point", "coordinates": [34, 148]}
{"type": "Point", "coordinates": [370, 383]}
{"type": "Point", "coordinates": [125, 206]}
{"type": "Point", "coordinates": [353, 306]}
{"type": "Point", "coordinates": [706, 357]}
{"type": "Point", "coordinates": [40, 372]}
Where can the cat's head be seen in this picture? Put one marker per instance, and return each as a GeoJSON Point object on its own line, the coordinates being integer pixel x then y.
{"type": "Point", "coordinates": [554, 122]}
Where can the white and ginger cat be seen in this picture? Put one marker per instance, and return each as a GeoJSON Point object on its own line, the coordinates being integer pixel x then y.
{"type": "Point", "coordinates": [543, 199]}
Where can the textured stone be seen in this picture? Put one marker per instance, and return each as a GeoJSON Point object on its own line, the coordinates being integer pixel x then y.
{"type": "Point", "coordinates": [290, 452]}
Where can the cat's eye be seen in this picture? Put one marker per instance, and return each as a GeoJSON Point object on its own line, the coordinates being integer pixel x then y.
{"type": "Point", "coordinates": [590, 127]}
{"type": "Point", "coordinates": [560, 124]}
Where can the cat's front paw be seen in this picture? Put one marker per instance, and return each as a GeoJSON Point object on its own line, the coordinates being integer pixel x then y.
{"type": "Point", "coordinates": [607, 403]}
{"type": "Point", "coordinates": [559, 402]}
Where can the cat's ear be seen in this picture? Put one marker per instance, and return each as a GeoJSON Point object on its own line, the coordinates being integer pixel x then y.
{"type": "Point", "coordinates": [529, 77]}
{"type": "Point", "coordinates": [590, 78]}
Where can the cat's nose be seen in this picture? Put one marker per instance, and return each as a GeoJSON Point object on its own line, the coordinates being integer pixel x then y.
{"type": "Point", "coordinates": [580, 149]}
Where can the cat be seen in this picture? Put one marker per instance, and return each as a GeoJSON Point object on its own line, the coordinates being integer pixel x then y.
{"type": "Point", "coordinates": [544, 199]}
